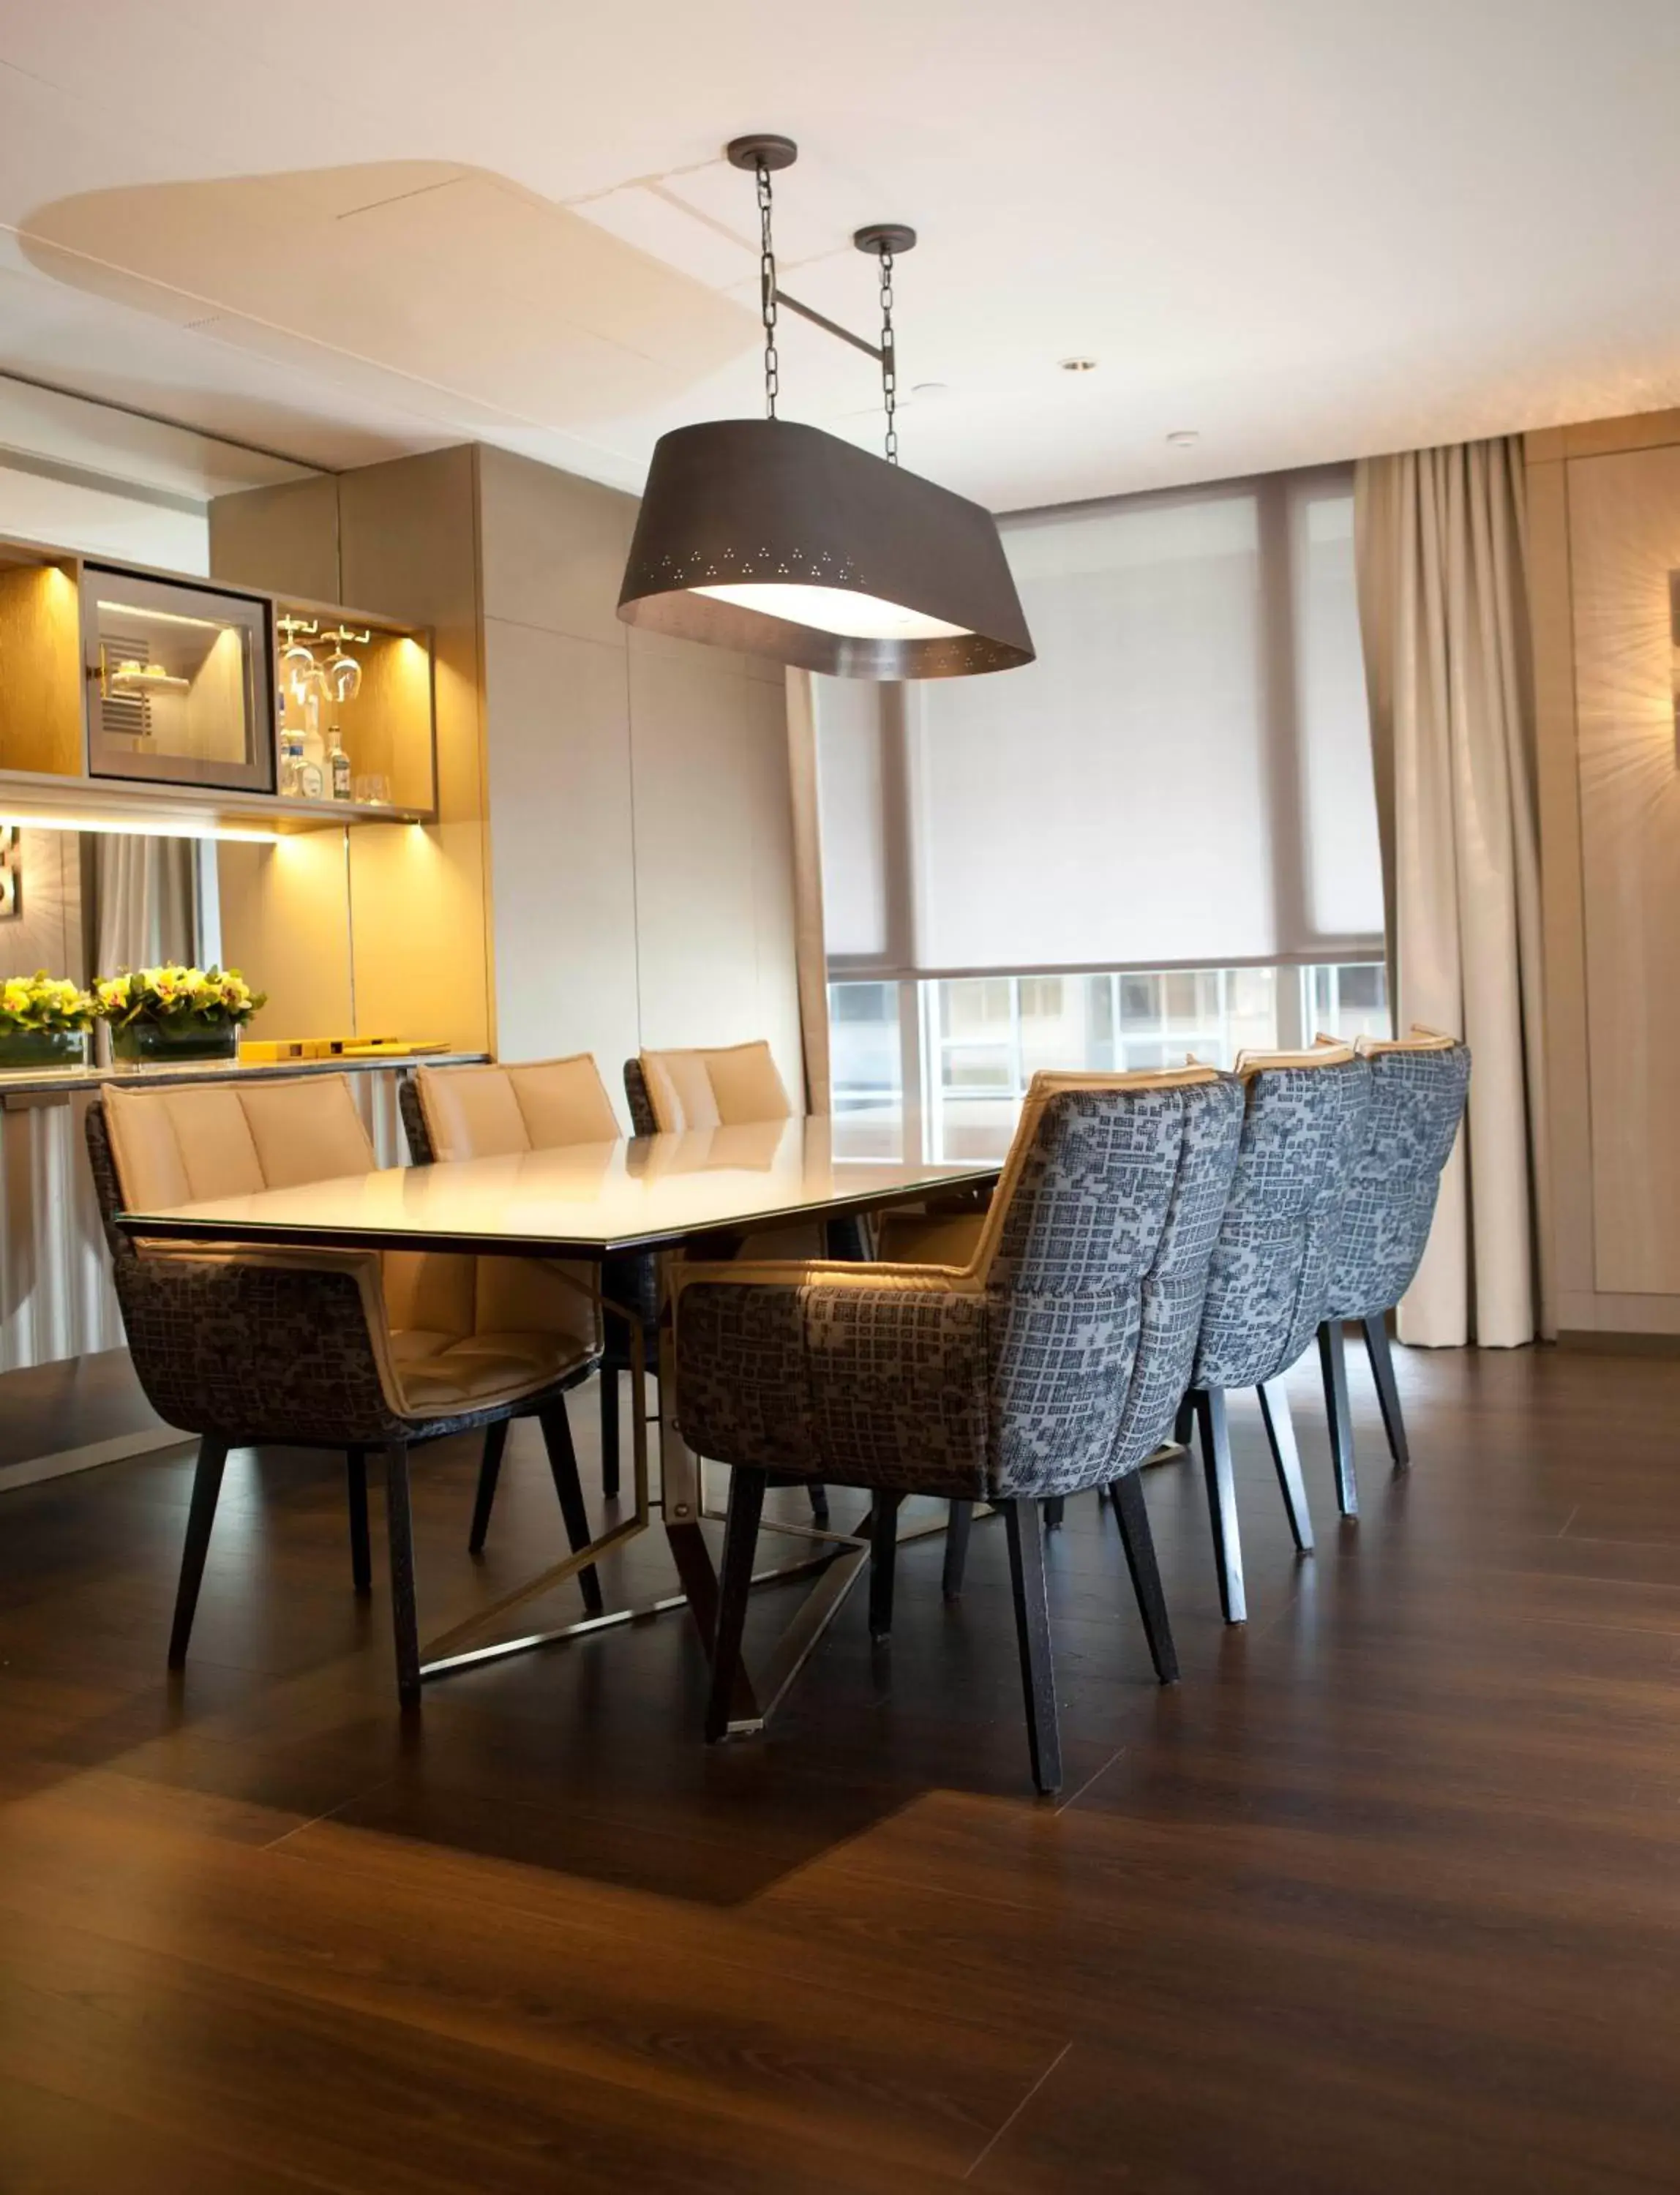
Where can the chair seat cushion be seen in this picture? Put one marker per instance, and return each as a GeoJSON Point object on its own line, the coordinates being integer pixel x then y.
{"type": "Point", "coordinates": [442, 1372]}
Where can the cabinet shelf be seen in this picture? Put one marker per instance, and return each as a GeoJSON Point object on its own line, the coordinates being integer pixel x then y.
{"type": "Point", "coordinates": [62, 705]}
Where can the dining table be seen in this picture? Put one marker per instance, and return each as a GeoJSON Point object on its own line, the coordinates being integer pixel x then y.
{"type": "Point", "coordinates": [665, 1195]}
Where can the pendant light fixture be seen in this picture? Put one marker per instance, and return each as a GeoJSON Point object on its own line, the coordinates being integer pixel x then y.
{"type": "Point", "coordinates": [776, 538]}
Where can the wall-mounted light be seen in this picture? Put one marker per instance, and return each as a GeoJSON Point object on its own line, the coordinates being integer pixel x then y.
{"type": "Point", "coordinates": [11, 873]}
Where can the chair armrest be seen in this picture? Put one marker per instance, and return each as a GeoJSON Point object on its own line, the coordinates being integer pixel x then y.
{"type": "Point", "coordinates": [860, 1375]}
{"type": "Point", "coordinates": [273, 1345]}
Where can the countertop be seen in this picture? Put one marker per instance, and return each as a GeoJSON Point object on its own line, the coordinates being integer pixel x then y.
{"type": "Point", "coordinates": [65, 1081]}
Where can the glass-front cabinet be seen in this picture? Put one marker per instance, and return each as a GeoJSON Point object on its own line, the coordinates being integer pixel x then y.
{"type": "Point", "coordinates": [157, 694]}
{"type": "Point", "coordinates": [178, 681]}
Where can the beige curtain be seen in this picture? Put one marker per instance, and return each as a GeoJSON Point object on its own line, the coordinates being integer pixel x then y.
{"type": "Point", "coordinates": [1441, 538]}
{"type": "Point", "coordinates": [810, 937]}
{"type": "Point", "coordinates": [146, 901]}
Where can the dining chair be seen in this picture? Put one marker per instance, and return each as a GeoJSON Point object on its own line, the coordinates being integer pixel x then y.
{"type": "Point", "coordinates": [350, 1350]}
{"type": "Point", "coordinates": [1418, 1087]}
{"type": "Point", "coordinates": [731, 1085]}
{"type": "Point", "coordinates": [490, 1112]}
{"type": "Point", "coordinates": [1052, 1361]}
{"type": "Point", "coordinates": [1305, 1120]}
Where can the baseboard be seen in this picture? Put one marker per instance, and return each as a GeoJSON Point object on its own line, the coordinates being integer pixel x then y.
{"type": "Point", "coordinates": [33, 1469]}
{"type": "Point", "coordinates": [1600, 1342]}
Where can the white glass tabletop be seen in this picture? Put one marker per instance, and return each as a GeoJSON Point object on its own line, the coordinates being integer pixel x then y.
{"type": "Point", "coordinates": [588, 1197]}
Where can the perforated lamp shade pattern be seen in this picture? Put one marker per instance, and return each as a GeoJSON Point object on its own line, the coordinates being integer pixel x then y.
{"type": "Point", "coordinates": [914, 577]}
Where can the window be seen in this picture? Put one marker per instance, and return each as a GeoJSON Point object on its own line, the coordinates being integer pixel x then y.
{"type": "Point", "coordinates": [956, 1054]}
{"type": "Point", "coordinates": [1181, 782]}
{"type": "Point", "coordinates": [1158, 840]}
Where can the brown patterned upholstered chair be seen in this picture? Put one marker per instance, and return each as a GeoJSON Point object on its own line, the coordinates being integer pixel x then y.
{"type": "Point", "coordinates": [731, 1085]}
{"type": "Point", "coordinates": [543, 1104]}
{"type": "Point", "coordinates": [347, 1350]}
{"type": "Point", "coordinates": [1052, 1361]}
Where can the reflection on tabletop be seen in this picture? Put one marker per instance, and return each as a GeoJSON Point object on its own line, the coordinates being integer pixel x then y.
{"type": "Point", "coordinates": [601, 1193]}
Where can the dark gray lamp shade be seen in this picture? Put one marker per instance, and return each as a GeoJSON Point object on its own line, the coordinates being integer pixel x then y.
{"type": "Point", "coordinates": [777, 539]}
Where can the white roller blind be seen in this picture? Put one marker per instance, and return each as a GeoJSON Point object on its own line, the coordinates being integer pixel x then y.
{"type": "Point", "coordinates": [1183, 777]}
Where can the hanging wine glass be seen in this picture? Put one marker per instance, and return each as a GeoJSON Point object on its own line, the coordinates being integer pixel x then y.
{"type": "Point", "coordinates": [343, 675]}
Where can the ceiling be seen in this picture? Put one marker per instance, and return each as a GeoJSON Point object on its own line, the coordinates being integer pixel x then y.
{"type": "Point", "coordinates": [1302, 230]}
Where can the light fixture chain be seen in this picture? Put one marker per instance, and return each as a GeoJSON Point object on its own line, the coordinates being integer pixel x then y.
{"type": "Point", "coordinates": [889, 358]}
{"type": "Point", "coordinates": [767, 294]}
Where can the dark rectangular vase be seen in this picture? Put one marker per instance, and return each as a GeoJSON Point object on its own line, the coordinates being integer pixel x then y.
{"type": "Point", "coordinates": [38, 1048]}
{"type": "Point", "coordinates": [159, 1043]}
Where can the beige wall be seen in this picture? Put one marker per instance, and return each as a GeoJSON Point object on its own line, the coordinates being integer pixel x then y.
{"type": "Point", "coordinates": [613, 866]}
{"type": "Point", "coordinates": [1604, 510]}
{"type": "Point", "coordinates": [639, 812]}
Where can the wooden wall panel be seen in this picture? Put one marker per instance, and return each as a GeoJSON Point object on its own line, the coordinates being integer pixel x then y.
{"type": "Point", "coordinates": [1624, 541]}
{"type": "Point", "coordinates": [283, 538]}
{"type": "Point", "coordinates": [408, 546]}
{"type": "Point", "coordinates": [1604, 532]}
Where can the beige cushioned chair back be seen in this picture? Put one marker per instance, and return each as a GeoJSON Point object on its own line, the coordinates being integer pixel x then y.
{"type": "Point", "coordinates": [490, 1112]}
{"type": "Point", "coordinates": [715, 1089]}
{"type": "Point", "coordinates": [184, 1146]}
{"type": "Point", "coordinates": [181, 1145]}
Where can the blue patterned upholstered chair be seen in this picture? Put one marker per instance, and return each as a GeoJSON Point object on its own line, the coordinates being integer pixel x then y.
{"type": "Point", "coordinates": [346, 1350]}
{"type": "Point", "coordinates": [542, 1104]}
{"type": "Point", "coordinates": [1418, 1086]}
{"type": "Point", "coordinates": [1050, 1363]}
{"type": "Point", "coordinates": [1304, 1123]}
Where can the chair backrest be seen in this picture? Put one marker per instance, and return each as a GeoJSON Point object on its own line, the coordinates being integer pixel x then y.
{"type": "Point", "coordinates": [1094, 1262]}
{"type": "Point", "coordinates": [183, 1144]}
{"type": "Point", "coordinates": [490, 1112]}
{"type": "Point", "coordinates": [1419, 1085]}
{"type": "Point", "coordinates": [1304, 1122]}
{"type": "Point", "coordinates": [718, 1088]}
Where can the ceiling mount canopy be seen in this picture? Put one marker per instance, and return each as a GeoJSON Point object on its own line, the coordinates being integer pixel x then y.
{"type": "Point", "coordinates": [776, 538]}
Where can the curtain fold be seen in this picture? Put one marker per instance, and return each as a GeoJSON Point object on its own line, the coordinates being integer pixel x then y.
{"type": "Point", "coordinates": [1442, 550]}
{"type": "Point", "coordinates": [810, 941]}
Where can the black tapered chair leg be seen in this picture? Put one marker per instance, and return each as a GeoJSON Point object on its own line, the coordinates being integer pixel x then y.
{"type": "Point", "coordinates": [1227, 1538]}
{"type": "Point", "coordinates": [1055, 1509]}
{"type": "Point", "coordinates": [609, 1448]}
{"type": "Point", "coordinates": [1032, 1632]}
{"type": "Point", "coordinates": [200, 1516]}
{"type": "Point", "coordinates": [490, 1471]}
{"type": "Point", "coordinates": [883, 1561]}
{"type": "Point", "coordinates": [1388, 1394]}
{"type": "Point", "coordinates": [819, 1503]}
{"type": "Point", "coordinates": [563, 1464]}
{"type": "Point", "coordinates": [735, 1586]}
{"type": "Point", "coordinates": [1184, 1425]}
{"type": "Point", "coordinates": [958, 1526]}
{"type": "Point", "coordinates": [400, 1537]}
{"type": "Point", "coordinates": [1332, 1356]}
{"type": "Point", "coordinates": [1286, 1457]}
{"type": "Point", "coordinates": [1131, 1512]}
{"type": "Point", "coordinates": [355, 1481]}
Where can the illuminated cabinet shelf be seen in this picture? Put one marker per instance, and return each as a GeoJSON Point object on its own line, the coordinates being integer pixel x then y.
{"type": "Point", "coordinates": [137, 700]}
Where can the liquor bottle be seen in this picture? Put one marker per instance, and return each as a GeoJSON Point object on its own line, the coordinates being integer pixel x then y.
{"type": "Point", "coordinates": [338, 762]}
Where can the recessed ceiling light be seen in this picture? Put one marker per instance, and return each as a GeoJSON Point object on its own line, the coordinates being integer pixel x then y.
{"type": "Point", "coordinates": [1183, 438]}
{"type": "Point", "coordinates": [1078, 365]}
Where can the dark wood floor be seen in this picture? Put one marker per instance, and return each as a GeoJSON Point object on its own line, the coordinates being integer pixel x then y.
{"type": "Point", "coordinates": [1385, 1895]}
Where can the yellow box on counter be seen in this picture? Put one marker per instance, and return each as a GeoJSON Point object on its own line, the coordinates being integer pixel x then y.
{"type": "Point", "coordinates": [271, 1051]}
{"type": "Point", "coordinates": [268, 1052]}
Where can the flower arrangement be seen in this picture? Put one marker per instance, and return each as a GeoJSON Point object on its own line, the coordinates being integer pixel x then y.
{"type": "Point", "coordinates": [182, 999]}
{"type": "Point", "coordinates": [39, 1004]}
